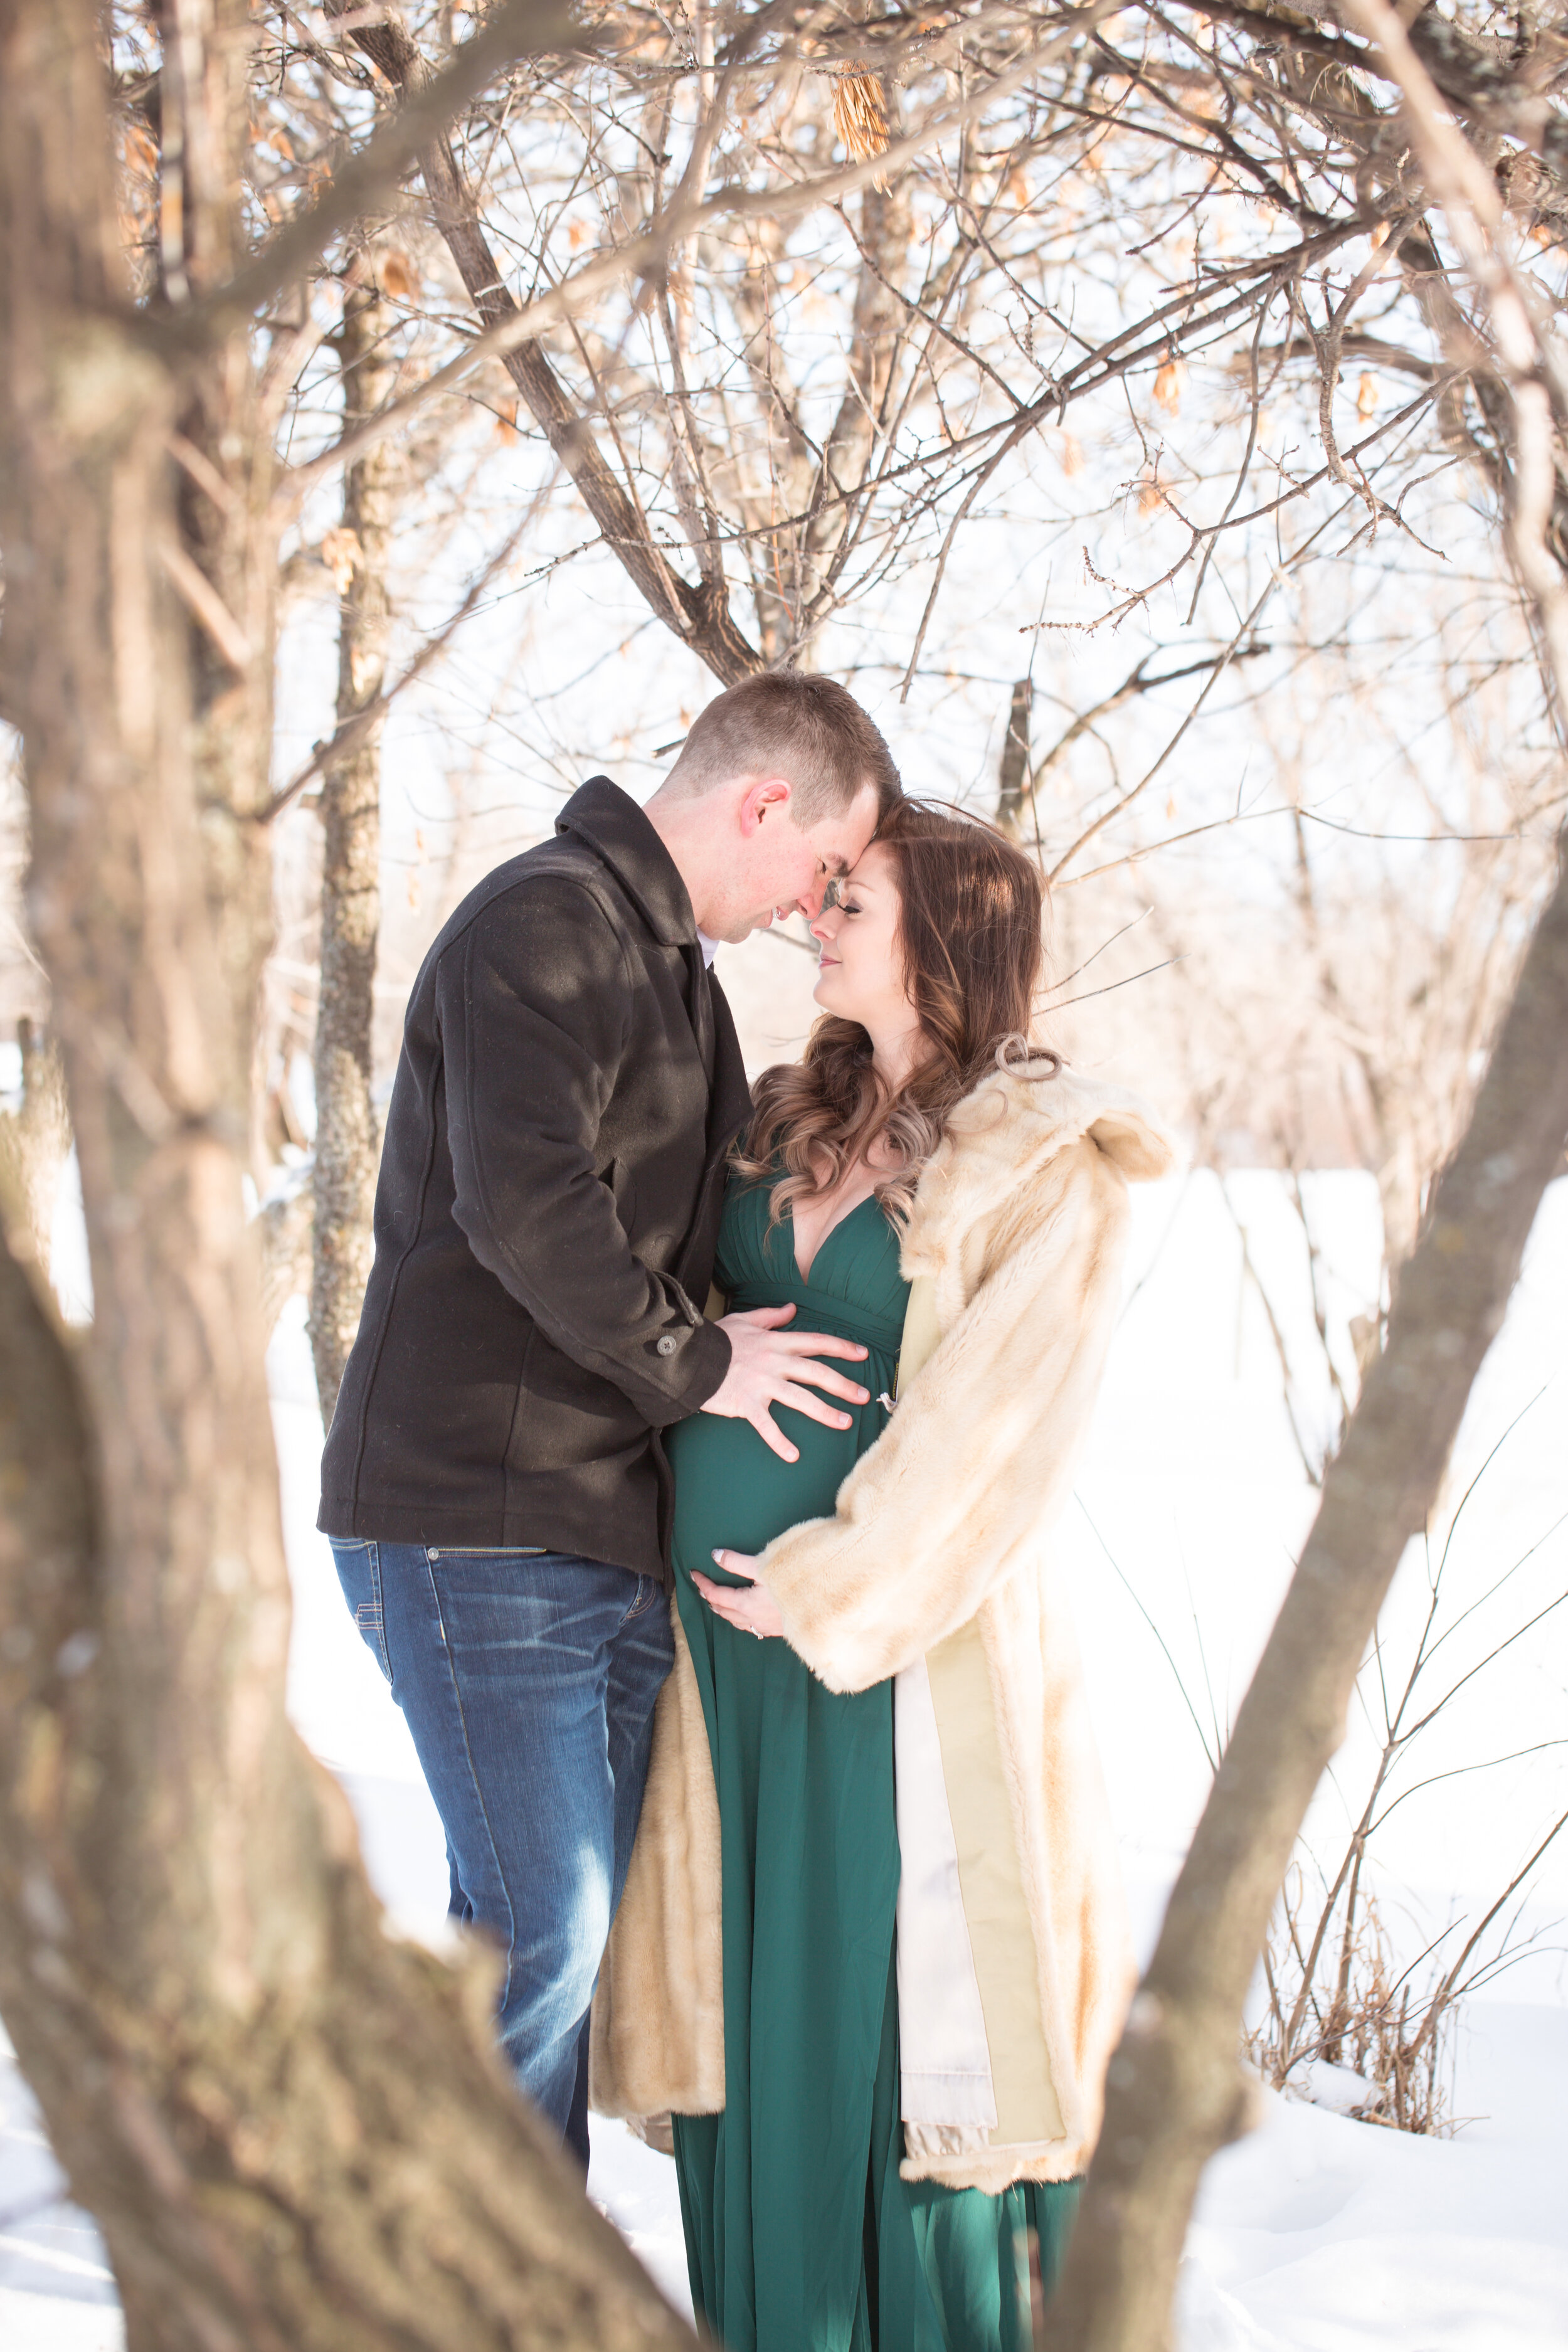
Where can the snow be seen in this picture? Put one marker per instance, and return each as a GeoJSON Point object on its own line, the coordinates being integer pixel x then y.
{"type": "Point", "coordinates": [1323, 2234]}
{"type": "Point", "coordinates": [1316, 2233]}
{"type": "Point", "coordinates": [56, 2291]}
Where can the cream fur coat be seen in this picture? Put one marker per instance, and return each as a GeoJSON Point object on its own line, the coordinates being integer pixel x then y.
{"type": "Point", "coordinates": [936, 1569]}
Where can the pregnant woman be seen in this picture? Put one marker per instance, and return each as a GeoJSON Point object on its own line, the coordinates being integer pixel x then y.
{"type": "Point", "coordinates": [871, 1958]}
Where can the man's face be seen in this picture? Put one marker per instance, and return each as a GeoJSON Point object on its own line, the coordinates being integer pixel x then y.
{"type": "Point", "coordinates": [781, 867]}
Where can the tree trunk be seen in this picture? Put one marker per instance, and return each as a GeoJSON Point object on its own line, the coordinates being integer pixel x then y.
{"type": "Point", "coordinates": [34, 1144]}
{"type": "Point", "coordinates": [293, 2131]}
{"type": "Point", "coordinates": [1013, 778]}
{"type": "Point", "coordinates": [346, 1135]}
{"type": "Point", "coordinates": [1176, 2092]}
{"type": "Point", "coordinates": [286, 1232]}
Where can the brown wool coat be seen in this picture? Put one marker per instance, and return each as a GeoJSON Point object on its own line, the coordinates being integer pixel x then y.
{"type": "Point", "coordinates": [936, 1568]}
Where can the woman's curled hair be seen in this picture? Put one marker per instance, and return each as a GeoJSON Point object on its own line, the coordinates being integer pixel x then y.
{"type": "Point", "coordinates": [971, 906]}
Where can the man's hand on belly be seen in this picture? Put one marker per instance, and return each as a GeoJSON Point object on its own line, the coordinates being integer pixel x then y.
{"type": "Point", "coordinates": [767, 1366]}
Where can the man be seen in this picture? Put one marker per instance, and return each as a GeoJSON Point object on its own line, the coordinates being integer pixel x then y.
{"type": "Point", "coordinates": [545, 1221]}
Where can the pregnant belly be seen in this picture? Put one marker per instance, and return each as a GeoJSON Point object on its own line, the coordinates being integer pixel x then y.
{"type": "Point", "coordinates": [733, 1492]}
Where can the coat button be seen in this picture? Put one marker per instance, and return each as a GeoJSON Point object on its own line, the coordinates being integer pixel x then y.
{"type": "Point", "coordinates": [667, 1344]}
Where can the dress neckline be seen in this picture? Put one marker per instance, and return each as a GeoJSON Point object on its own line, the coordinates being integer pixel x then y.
{"type": "Point", "coordinates": [870, 1202]}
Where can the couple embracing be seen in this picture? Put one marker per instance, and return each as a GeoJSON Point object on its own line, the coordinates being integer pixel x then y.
{"type": "Point", "coordinates": [687, 1483]}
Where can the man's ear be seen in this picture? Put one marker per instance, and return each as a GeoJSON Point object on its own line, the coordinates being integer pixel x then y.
{"type": "Point", "coordinates": [764, 796]}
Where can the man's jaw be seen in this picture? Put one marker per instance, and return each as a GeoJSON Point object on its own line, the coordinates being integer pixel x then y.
{"type": "Point", "coordinates": [743, 928]}
{"type": "Point", "coordinates": [763, 921]}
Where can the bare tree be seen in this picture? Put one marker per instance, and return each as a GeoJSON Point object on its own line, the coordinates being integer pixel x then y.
{"type": "Point", "coordinates": [699, 614]}
{"type": "Point", "coordinates": [1175, 2092]}
{"type": "Point", "coordinates": [291, 2130]}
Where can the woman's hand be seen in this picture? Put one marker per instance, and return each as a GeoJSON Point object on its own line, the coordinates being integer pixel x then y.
{"type": "Point", "coordinates": [750, 1608]}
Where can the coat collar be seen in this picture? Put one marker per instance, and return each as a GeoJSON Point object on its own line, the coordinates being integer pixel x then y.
{"type": "Point", "coordinates": [614, 826]}
{"type": "Point", "coordinates": [1001, 1135]}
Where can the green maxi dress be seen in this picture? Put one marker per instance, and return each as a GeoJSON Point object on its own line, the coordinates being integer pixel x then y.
{"type": "Point", "coordinates": [800, 2235]}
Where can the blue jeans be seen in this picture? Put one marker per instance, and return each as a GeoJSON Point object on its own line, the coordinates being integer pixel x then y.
{"type": "Point", "coordinates": [528, 1680]}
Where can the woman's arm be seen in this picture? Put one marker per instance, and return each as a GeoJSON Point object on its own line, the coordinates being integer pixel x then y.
{"type": "Point", "coordinates": [980, 1453]}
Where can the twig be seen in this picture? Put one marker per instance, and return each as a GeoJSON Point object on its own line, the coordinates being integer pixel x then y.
{"type": "Point", "coordinates": [199, 596]}
{"type": "Point", "coordinates": [1210, 1755]}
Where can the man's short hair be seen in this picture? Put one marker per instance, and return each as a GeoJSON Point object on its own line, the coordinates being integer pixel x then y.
{"type": "Point", "coordinates": [809, 729]}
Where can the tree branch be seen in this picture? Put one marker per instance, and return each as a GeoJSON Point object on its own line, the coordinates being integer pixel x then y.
{"type": "Point", "coordinates": [516, 28]}
{"type": "Point", "coordinates": [698, 615]}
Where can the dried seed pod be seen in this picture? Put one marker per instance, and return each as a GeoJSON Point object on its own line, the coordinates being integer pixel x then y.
{"type": "Point", "coordinates": [860, 117]}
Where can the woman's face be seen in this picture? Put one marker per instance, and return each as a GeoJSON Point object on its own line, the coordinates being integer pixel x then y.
{"type": "Point", "coordinates": [861, 976]}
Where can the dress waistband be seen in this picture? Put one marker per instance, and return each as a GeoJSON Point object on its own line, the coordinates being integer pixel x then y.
{"type": "Point", "coordinates": [868, 1330]}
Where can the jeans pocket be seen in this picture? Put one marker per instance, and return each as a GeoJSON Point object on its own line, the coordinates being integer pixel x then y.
{"type": "Point", "coordinates": [359, 1573]}
{"type": "Point", "coordinates": [648, 1591]}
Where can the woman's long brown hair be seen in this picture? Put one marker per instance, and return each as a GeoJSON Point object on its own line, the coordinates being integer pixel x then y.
{"type": "Point", "coordinates": [970, 912]}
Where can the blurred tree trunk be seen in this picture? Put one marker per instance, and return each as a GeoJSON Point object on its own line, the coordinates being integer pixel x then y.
{"type": "Point", "coordinates": [346, 1132]}
{"type": "Point", "coordinates": [293, 2130]}
{"type": "Point", "coordinates": [34, 1144]}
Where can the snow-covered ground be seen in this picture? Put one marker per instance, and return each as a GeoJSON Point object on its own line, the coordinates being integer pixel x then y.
{"type": "Point", "coordinates": [1316, 2233]}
